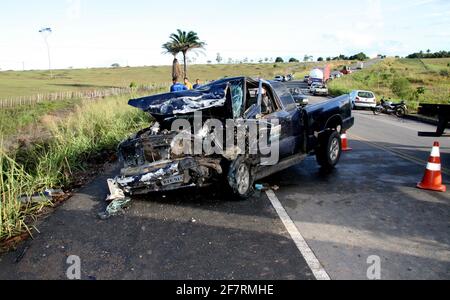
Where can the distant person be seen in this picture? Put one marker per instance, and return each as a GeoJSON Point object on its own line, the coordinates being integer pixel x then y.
{"type": "Point", "coordinates": [188, 84]}
{"type": "Point", "coordinates": [197, 84]}
{"type": "Point", "coordinates": [177, 87]}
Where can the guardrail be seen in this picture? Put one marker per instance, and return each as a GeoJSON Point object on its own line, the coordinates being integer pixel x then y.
{"type": "Point", "coordinates": [72, 95]}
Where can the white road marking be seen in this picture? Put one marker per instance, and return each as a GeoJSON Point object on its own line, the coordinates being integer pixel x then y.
{"type": "Point", "coordinates": [312, 261]}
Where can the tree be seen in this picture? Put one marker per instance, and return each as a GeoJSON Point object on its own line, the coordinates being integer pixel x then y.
{"type": "Point", "coordinates": [219, 58]}
{"type": "Point", "coordinates": [170, 48]}
{"type": "Point", "coordinates": [293, 60]}
{"type": "Point", "coordinates": [320, 59]}
{"type": "Point", "coordinates": [116, 65]}
{"type": "Point", "coordinates": [360, 56]}
{"type": "Point", "coordinates": [279, 60]}
{"type": "Point", "coordinates": [184, 42]}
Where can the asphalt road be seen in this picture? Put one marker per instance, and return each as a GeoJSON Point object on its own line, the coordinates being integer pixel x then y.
{"type": "Point", "coordinates": [369, 206]}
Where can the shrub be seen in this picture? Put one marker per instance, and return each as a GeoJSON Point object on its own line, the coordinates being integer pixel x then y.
{"type": "Point", "coordinates": [401, 87]}
{"type": "Point", "coordinates": [444, 73]}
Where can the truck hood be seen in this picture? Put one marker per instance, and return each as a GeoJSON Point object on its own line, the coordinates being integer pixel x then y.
{"type": "Point", "coordinates": [168, 105]}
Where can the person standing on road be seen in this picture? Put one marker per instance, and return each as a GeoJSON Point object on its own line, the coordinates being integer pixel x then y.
{"type": "Point", "coordinates": [177, 87]}
{"type": "Point", "coordinates": [197, 84]}
{"type": "Point", "coordinates": [188, 84]}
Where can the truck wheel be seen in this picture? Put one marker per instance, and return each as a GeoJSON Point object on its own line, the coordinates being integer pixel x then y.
{"type": "Point", "coordinates": [240, 179]}
{"type": "Point", "coordinates": [329, 152]}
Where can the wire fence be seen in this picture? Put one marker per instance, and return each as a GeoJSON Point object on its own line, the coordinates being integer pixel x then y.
{"type": "Point", "coordinates": [15, 102]}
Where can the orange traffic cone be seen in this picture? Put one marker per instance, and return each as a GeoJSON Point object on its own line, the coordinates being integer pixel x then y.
{"type": "Point", "coordinates": [433, 177]}
{"type": "Point", "coordinates": [344, 140]}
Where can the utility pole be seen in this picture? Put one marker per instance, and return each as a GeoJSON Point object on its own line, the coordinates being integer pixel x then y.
{"type": "Point", "coordinates": [46, 32]}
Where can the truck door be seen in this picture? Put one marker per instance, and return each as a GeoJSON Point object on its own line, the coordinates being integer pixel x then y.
{"type": "Point", "coordinates": [282, 121]}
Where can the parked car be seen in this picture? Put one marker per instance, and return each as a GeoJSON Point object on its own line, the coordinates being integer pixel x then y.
{"type": "Point", "coordinates": [280, 78]}
{"type": "Point", "coordinates": [313, 86]}
{"type": "Point", "coordinates": [318, 89]}
{"type": "Point", "coordinates": [152, 162]}
{"type": "Point", "coordinates": [363, 99]}
{"type": "Point", "coordinates": [346, 71]}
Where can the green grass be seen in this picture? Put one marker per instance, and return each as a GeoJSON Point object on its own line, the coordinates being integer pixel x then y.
{"type": "Point", "coordinates": [427, 75]}
{"type": "Point", "coordinates": [14, 118]}
{"type": "Point", "coordinates": [92, 128]}
{"type": "Point", "coordinates": [29, 83]}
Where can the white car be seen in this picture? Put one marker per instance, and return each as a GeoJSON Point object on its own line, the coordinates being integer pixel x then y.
{"type": "Point", "coordinates": [314, 86]}
{"type": "Point", "coordinates": [280, 78]}
{"type": "Point", "coordinates": [363, 99]}
{"type": "Point", "coordinates": [319, 90]}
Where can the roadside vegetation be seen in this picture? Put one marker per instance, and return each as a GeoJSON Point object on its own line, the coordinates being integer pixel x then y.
{"type": "Point", "coordinates": [413, 80]}
{"type": "Point", "coordinates": [92, 129]}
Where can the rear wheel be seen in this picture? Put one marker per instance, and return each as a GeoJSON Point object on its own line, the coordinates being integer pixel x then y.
{"type": "Point", "coordinates": [400, 112]}
{"type": "Point", "coordinates": [330, 149]}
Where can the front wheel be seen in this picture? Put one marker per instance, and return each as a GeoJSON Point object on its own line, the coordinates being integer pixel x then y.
{"type": "Point", "coordinates": [241, 179]}
{"type": "Point", "coordinates": [330, 149]}
{"type": "Point", "coordinates": [377, 110]}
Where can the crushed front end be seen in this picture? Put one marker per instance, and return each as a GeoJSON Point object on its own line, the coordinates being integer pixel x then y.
{"type": "Point", "coordinates": [151, 164]}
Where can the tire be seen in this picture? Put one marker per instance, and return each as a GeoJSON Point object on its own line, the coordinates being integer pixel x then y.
{"type": "Point", "coordinates": [400, 112]}
{"type": "Point", "coordinates": [240, 179]}
{"type": "Point", "coordinates": [377, 111]}
{"type": "Point", "coordinates": [329, 151]}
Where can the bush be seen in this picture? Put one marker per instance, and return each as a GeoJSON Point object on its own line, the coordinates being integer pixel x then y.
{"type": "Point", "coordinates": [401, 87]}
{"type": "Point", "coordinates": [444, 73]}
{"type": "Point", "coordinates": [279, 60]}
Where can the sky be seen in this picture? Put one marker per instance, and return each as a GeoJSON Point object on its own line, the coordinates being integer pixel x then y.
{"type": "Point", "coordinates": [98, 33]}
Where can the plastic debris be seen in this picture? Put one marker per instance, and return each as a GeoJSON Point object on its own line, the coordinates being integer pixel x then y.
{"type": "Point", "coordinates": [262, 187]}
{"type": "Point", "coordinates": [115, 208]}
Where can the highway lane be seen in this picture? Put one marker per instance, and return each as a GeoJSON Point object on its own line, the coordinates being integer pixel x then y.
{"type": "Point", "coordinates": [370, 206]}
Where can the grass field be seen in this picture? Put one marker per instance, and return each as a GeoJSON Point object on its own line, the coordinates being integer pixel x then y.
{"type": "Point", "coordinates": [28, 83]}
{"type": "Point", "coordinates": [413, 80]}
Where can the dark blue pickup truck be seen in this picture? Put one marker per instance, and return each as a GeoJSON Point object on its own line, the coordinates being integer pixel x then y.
{"type": "Point", "coordinates": [153, 160]}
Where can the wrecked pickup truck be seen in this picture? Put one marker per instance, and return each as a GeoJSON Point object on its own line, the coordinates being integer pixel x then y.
{"type": "Point", "coordinates": [161, 158]}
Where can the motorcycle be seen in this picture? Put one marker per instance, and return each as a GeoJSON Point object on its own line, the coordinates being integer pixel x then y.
{"type": "Point", "coordinates": [388, 107]}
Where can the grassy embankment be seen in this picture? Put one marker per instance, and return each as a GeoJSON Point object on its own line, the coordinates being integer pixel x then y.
{"type": "Point", "coordinates": [93, 127]}
{"type": "Point", "coordinates": [413, 80]}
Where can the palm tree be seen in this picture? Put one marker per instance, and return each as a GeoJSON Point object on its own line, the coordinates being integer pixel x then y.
{"type": "Point", "coordinates": [169, 48]}
{"type": "Point", "coordinates": [185, 42]}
